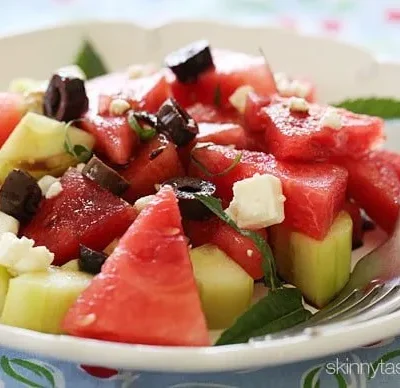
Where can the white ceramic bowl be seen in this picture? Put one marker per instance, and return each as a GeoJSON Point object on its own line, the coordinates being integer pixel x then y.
{"type": "Point", "coordinates": [339, 70]}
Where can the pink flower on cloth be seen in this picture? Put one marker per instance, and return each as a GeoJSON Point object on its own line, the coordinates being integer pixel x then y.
{"type": "Point", "coordinates": [331, 25]}
{"type": "Point", "coordinates": [393, 15]}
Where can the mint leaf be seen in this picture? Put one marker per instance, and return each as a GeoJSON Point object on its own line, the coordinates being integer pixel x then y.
{"type": "Point", "coordinates": [271, 279]}
{"type": "Point", "coordinates": [217, 96]}
{"type": "Point", "coordinates": [90, 61]}
{"type": "Point", "coordinates": [78, 151]}
{"type": "Point", "coordinates": [144, 133]}
{"type": "Point", "coordinates": [204, 169]}
{"type": "Point", "coordinates": [386, 108]}
{"type": "Point", "coordinates": [279, 310]}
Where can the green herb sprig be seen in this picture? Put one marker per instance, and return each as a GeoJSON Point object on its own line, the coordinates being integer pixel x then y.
{"type": "Point", "coordinates": [386, 108]}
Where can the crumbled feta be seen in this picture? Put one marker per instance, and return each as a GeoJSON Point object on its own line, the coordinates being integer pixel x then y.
{"type": "Point", "coordinates": [141, 203]}
{"type": "Point", "coordinates": [19, 255]}
{"type": "Point", "coordinates": [8, 224]}
{"type": "Point", "coordinates": [298, 104]}
{"type": "Point", "coordinates": [249, 252]}
{"type": "Point", "coordinates": [331, 119]}
{"type": "Point", "coordinates": [80, 167]}
{"type": "Point", "coordinates": [239, 96]}
{"type": "Point", "coordinates": [140, 70]}
{"type": "Point", "coordinates": [119, 106]}
{"type": "Point", "coordinates": [54, 190]}
{"type": "Point", "coordinates": [257, 202]}
{"type": "Point", "coordinates": [45, 183]}
{"type": "Point", "coordinates": [288, 87]}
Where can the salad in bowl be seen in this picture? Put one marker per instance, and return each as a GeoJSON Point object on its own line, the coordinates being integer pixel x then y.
{"type": "Point", "coordinates": [151, 206]}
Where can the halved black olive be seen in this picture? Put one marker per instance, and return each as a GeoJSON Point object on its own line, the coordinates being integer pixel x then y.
{"type": "Point", "coordinates": [20, 195]}
{"type": "Point", "coordinates": [190, 61]}
{"type": "Point", "coordinates": [65, 98]}
{"type": "Point", "coordinates": [176, 123]}
{"type": "Point", "coordinates": [90, 261]}
{"type": "Point", "coordinates": [184, 189]}
{"type": "Point", "coordinates": [105, 176]}
{"type": "Point", "coordinates": [367, 224]}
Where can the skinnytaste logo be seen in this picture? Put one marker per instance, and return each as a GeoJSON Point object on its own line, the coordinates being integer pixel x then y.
{"type": "Point", "coordinates": [347, 367]}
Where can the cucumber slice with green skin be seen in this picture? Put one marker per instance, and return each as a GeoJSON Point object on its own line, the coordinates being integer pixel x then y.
{"type": "Point", "coordinates": [37, 145]}
{"type": "Point", "coordinates": [225, 288]}
{"type": "Point", "coordinates": [4, 281]}
{"type": "Point", "coordinates": [71, 265]}
{"type": "Point", "coordinates": [320, 269]}
{"type": "Point", "coordinates": [39, 301]}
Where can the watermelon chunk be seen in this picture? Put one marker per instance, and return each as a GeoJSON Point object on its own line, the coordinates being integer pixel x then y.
{"type": "Point", "coordinates": [314, 193]}
{"type": "Point", "coordinates": [231, 71]}
{"type": "Point", "coordinates": [146, 292]}
{"type": "Point", "coordinates": [375, 186]}
{"type": "Point", "coordinates": [146, 93]}
{"type": "Point", "coordinates": [83, 213]}
{"type": "Point", "coordinates": [239, 248]}
{"type": "Point", "coordinates": [144, 172]}
{"type": "Point", "coordinates": [299, 136]}
{"type": "Point", "coordinates": [390, 158]}
{"type": "Point", "coordinates": [12, 108]}
{"type": "Point", "coordinates": [222, 134]}
{"type": "Point", "coordinates": [115, 139]}
{"type": "Point", "coordinates": [211, 114]}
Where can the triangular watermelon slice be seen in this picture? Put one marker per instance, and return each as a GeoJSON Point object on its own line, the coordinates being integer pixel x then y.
{"type": "Point", "coordinates": [146, 292]}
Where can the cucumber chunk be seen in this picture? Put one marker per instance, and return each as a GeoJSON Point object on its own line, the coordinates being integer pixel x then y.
{"type": "Point", "coordinates": [320, 269]}
{"type": "Point", "coordinates": [39, 301]}
{"type": "Point", "coordinates": [37, 145]}
{"type": "Point", "coordinates": [225, 288]}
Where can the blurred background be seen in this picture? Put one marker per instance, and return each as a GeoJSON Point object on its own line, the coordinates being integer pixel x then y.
{"type": "Point", "coordinates": [374, 24]}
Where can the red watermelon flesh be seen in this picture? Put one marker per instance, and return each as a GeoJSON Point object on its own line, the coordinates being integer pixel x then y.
{"type": "Point", "coordinates": [211, 114]}
{"type": "Point", "coordinates": [12, 108]}
{"type": "Point", "coordinates": [144, 172]}
{"type": "Point", "coordinates": [231, 71]}
{"type": "Point", "coordinates": [146, 93]}
{"type": "Point", "coordinates": [83, 213]}
{"type": "Point", "coordinates": [314, 193]}
{"type": "Point", "coordinates": [223, 134]}
{"type": "Point", "coordinates": [299, 136]}
{"type": "Point", "coordinates": [146, 292]}
{"type": "Point", "coordinates": [375, 187]}
{"type": "Point", "coordinates": [389, 157]}
{"type": "Point", "coordinates": [115, 139]}
{"type": "Point", "coordinates": [239, 248]}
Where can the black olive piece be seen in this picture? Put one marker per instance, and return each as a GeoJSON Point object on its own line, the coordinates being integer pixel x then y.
{"type": "Point", "coordinates": [105, 176]}
{"type": "Point", "coordinates": [367, 224]}
{"type": "Point", "coordinates": [190, 61]}
{"type": "Point", "coordinates": [90, 261]}
{"type": "Point", "coordinates": [65, 98]}
{"type": "Point", "coordinates": [176, 123]}
{"type": "Point", "coordinates": [146, 117]}
{"type": "Point", "coordinates": [158, 151]}
{"type": "Point", "coordinates": [185, 188]}
{"type": "Point", "coordinates": [357, 244]}
{"type": "Point", "coordinates": [20, 195]}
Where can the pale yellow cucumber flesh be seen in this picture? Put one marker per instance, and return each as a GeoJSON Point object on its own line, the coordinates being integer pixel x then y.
{"type": "Point", "coordinates": [4, 281]}
{"type": "Point", "coordinates": [39, 301]}
{"type": "Point", "coordinates": [37, 145]}
{"type": "Point", "coordinates": [71, 265]}
{"type": "Point", "coordinates": [225, 288]}
{"type": "Point", "coordinates": [320, 269]}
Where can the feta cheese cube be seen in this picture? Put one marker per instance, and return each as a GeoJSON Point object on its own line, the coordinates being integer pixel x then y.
{"type": "Point", "coordinates": [257, 202]}
{"type": "Point", "coordinates": [298, 104]}
{"type": "Point", "coordinates": [54, 190]}
{"type": "Point", "coordinates": [331, 119]}
{"type": "Point", "coordinates": [72, 71]}
{"type": "Point", "coordinates": [119, 106]}
{"type": "Point", "coordinates": [287, 87]}
{"type": "Point", "coordinates": [19, 256]}
{"type": "Point", "coordinates": [300, 88]}
{"type": "Point", "coordinates": [8, 224]}
{"type": "Point", "coordinates": [45, 183]}
{"type": "Point", "coordinates": [239, 96]}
